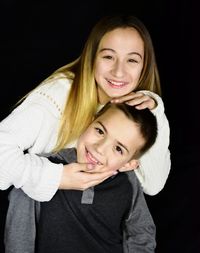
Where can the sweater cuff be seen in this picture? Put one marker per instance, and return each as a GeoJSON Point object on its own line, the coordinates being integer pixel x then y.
{"type": "Point", "coordinates": [159, 109]}
{"type": "Point", "coordinates": [48, 184]}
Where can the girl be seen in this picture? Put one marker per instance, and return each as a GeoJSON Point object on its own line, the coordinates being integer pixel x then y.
{"type": "Point", "coordinates": [117, 64]}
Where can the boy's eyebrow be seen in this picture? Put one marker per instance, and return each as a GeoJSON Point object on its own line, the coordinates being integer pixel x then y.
{"type": "Point", "coordinates": [104, 128]}
{"type": "Point", "coordinates": [110, 49]}
{"type": "Point", "coordinates": [123, 146]}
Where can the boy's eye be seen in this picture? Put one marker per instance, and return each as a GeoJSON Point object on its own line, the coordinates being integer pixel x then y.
{"type": "Point", "coordinates": [99, 130]}
{"type": "Point", "coordinates": [119, 149]}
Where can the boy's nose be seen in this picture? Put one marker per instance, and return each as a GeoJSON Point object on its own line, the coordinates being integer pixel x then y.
{"type": "Point", "coordinates": [102, 147]}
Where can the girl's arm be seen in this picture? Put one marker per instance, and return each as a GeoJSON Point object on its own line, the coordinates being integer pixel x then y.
{"type": "Point", "coordinates": [25, 129]}
{"type": "Point", "coordinates": [25, 134]}
{"type": "Point", "coordinates": [155, 164]}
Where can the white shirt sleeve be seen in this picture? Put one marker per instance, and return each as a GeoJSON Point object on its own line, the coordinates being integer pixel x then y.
{"type": "Point", "coordinates": [155, 164]}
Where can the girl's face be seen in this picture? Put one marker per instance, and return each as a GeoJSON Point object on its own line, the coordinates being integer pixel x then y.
{"type": "Point", "coordinates": [119, 62]}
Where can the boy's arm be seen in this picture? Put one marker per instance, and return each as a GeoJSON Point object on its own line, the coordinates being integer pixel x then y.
{"type": "Point", "coordinates": [139, 234]}
{"type": "Point", "coordinates": [20, 226]}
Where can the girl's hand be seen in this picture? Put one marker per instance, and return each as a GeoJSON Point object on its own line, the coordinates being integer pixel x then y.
{"type": "Point", "coordinates": [78, 176]}
{"type": "Point", "coordinates": [137, 99]}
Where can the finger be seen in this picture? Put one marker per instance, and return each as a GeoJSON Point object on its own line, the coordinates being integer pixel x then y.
{"type": "Point", "coordinates": [98, 176]}
{"type": "Point", "coordinates": [124, 169]}
{"type": "Point", "coordinates": [134, 99]}
{"type": "Point", "coordinates": [137, 100]}
{"type": "Point", "coordinates": [91, 168]}
{"type": "Point", "coordinates": [96, 182]}
{"type": "Point", "coordinates": [98, 169]}
{"type": "Point", "coordinates": [86, 167]}
{"type": "Point", "coordinates": [142, 103]}
{"type": "Point", "coordinates": [124, 98]}
{"type": "Point", "coordinates": [150, 104]}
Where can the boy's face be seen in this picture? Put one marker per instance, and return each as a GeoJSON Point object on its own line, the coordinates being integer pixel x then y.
{"type": "Point", "coordinates": [111, 140]}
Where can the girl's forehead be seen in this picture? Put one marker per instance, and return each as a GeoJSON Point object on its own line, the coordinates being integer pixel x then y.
{"type": "Point", "coordinates": [128, 37]}
{"type": "Point", "coordinates": [121, 31]}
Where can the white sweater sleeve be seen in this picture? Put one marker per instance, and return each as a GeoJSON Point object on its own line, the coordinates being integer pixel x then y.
{"type": "Point", "coordinates": [38, 177]}
{"type": "Point", "coordinates": [156, 163]}
{"type": "Point", "coordinates": [26, 133]}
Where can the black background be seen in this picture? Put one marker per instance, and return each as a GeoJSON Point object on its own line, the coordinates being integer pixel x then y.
{"type": "Point", "coordinates": [36, 37]}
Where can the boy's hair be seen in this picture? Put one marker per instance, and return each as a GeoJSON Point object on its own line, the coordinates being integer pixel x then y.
{"type": "Point", "coordinates": [144, 119]}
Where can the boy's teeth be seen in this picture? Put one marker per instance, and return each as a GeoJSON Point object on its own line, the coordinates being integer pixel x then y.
{"type": "Point", "coordinates": [93, 159]}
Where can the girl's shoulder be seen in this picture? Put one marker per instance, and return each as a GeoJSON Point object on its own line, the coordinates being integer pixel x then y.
{"type": "Point", "coordinates": [55, 87]}
{"type": "Point", "coordinates": [52, 94]}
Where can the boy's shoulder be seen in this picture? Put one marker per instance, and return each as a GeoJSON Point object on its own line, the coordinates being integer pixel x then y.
{"type": "Point", "coordinates": [133, 179]}
{"type": "Point", "coordinates": [64, 156]}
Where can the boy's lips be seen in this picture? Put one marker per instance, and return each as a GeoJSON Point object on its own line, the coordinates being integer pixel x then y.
{"type": "Point", "coordinates": [91, 159]}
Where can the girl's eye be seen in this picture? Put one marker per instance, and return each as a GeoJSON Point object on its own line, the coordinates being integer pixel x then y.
{"type": "Point", "coordinates": [109, 57]}
{"type": "Point", "coordinates": [133, 61]}
{"type": "Point", "coordinates": [118, 149]}
{"type": "Point", "coordinates": [99, 131]}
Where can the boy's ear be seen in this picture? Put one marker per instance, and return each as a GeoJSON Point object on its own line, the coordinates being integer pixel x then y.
{"type": "Point", "coordinates": [131, 165]}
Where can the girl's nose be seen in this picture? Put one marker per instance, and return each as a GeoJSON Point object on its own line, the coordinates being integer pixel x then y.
{"type": "Point", "coordinates": [118, 69]}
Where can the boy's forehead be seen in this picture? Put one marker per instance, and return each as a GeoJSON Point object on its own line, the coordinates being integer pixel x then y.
{"type": "Point", "coordinates": [121, 128]}
{"type": "Point", "coordinates": [110, 113]}
{"type": "Point", "coordinates": [113, 117]}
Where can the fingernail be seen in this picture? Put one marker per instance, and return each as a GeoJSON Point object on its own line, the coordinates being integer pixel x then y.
{"type": "Point", "coordinates": [115, 100]}
{"type": "Point", "coordinates": [90, 166]}
{"type": "Point", "coordinates": [115, 172]}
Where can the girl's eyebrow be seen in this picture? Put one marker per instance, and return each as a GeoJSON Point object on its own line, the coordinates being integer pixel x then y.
{"type": "Point", "coordinates": [119, 143]}
{"type": "Point", "coordinates": [110, 49]}
{"type": "Point", "coordinates": [105, 49]}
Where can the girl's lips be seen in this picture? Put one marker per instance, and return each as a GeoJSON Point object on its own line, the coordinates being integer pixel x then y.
{"type": "Point", "coordinates": [91, 159]}
{"type": "Point", "coordinates": [116, 84]}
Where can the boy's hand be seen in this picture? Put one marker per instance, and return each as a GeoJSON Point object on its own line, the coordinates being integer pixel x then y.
{"type": "Point", "coordinates": [137, 99]}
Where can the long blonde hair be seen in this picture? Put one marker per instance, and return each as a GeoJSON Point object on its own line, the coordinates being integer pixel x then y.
{"type": "Point", "coordinates": [83, 99]}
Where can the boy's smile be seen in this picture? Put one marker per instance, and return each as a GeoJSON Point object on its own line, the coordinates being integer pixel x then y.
{"type": "Point", "coordinates": [91, 159]}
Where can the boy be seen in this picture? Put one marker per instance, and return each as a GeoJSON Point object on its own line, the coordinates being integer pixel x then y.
{"type": "Point", "coordinates": [110, 217]}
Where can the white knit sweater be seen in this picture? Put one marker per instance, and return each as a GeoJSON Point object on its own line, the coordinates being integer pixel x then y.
{"type": "Point", "coordinates": [33, 127]}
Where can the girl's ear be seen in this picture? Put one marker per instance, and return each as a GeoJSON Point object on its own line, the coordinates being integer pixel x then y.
{"type": "Point", "coordinates": [131, 165]}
